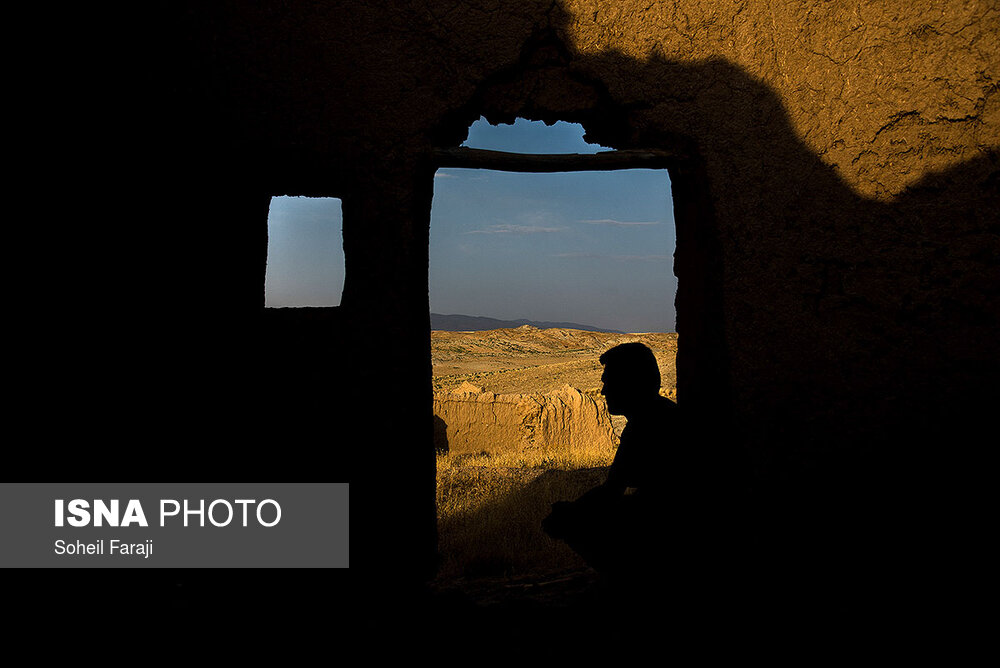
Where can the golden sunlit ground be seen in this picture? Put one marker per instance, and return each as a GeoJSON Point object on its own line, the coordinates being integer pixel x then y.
{"type": "Point", "coordinates": [490, 506]}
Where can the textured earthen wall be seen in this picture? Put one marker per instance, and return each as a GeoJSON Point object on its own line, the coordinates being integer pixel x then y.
{"type": "Point", "coordinates": [835, 238]}
{"type": "Point", "coordinates": [835, 195]}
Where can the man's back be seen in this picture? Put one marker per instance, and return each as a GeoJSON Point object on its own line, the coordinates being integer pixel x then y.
{"type": "Point", "coordinates": [650, 444]}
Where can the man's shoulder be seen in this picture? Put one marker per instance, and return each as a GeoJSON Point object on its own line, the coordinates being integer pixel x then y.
{"type": "Point", "coordinates": [660, 417]}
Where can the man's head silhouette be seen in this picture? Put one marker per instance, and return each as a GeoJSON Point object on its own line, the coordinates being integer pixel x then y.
{"type": "Point", "coordinates": [631, 378]}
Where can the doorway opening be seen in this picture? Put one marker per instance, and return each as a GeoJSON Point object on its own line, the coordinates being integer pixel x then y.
{"type": "Point", "coordinates": [534, 272]}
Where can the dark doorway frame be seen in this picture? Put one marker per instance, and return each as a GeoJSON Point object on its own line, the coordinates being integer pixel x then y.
{"type": "Point", "coordinates": [702, 370]}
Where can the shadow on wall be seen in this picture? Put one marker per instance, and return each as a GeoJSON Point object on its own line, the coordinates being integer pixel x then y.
{"type": "Point", "coordinates": [851, 339]}
{"type": "Point", "coordinates": [829, 315]}
{"type": "Point", "coordinates": [824, 320]}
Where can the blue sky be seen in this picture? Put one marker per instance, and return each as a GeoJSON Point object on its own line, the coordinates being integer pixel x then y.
{"type": "Point", "coordinates": [588, 247]}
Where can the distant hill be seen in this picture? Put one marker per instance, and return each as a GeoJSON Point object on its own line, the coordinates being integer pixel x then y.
{"type": "Point", "coordinates": [475, 323]}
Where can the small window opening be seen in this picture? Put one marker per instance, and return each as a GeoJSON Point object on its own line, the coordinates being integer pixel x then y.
{"type": "Point", "coordinates": [305, 252]}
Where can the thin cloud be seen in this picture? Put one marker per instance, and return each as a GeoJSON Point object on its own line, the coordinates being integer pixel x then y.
{"type": "Point", "coordinates": [609, 256]}
{"type": "Point", "coordinates": [463, 174]}
{"type": "Point", "coordinates": [643, 258]}
{"type": "Point", "coordinates": [581, 255]}
{"type": "Point", "coordinates": [516, 229]}
{"type": "Point", "coordinates": [618, 223]}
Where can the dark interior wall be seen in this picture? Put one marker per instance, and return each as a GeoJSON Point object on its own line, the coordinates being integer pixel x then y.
{"type": "Point", "coordinates": [826, 230]}
{"type": "Point", "coordinates": [837, 222]}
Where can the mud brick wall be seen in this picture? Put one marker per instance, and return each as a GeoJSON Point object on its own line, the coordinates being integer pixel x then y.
{"type": "Point", "coordinates": [835, 194]}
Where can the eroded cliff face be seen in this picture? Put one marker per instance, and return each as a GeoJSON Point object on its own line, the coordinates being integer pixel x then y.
{"type": "Point", "coordinates": [471, 420]}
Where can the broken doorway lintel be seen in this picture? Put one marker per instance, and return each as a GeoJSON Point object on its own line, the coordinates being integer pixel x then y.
{"type": "Point", "coordinates": [477, 158]}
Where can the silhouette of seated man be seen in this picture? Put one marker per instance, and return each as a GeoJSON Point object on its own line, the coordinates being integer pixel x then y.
{"type": "Point", "coordinates": [617, 526]}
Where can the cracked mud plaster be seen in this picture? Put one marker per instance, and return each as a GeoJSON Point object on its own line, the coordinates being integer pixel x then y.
{"type": "Point", "coordinates": [894, 90]}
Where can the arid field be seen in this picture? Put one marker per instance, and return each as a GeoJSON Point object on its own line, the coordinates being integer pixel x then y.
{"type": "Point", "coordinates": [526, 359]}
{"type": "Point", "coordinates": [491, 504]}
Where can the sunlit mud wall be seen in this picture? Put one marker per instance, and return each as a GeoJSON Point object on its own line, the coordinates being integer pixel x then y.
{"type": "Point", "coordinates": [471, 421]}
{"type": "Point", "coordinates": [835, 193]}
